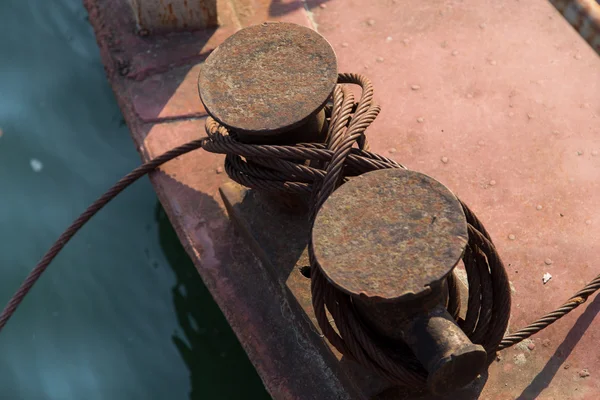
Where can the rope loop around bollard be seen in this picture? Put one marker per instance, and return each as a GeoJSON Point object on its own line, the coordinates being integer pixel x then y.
{"type": "Point", "coordinates": [316, 170]}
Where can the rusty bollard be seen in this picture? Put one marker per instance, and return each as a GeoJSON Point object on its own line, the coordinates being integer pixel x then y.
{"type": "Point", "coordinates": [268, 83]}
{"type": "Point", "coordinates": [389, 239]}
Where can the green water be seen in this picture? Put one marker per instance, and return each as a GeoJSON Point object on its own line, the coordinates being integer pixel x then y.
{"type": "Point", "coordinates": [121, 313]}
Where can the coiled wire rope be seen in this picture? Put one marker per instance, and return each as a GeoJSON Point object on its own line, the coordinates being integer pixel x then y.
{"type": "Point", "coordinates": [316, 170]}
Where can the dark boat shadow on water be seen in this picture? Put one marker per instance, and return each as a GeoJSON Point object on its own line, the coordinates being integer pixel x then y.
{"type": "Point", "coordinates": [204, 331]}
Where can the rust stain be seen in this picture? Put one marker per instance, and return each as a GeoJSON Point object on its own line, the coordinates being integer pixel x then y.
{"type": "Point", "coordinates": [175, 14]}
{"type": "Point", "coordinates": [169, 18]}
{"type": "Point", "coordinates": [139, 14]}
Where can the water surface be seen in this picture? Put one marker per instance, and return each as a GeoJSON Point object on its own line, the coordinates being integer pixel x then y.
{"type": "Point", "coordinates": [121, 314]}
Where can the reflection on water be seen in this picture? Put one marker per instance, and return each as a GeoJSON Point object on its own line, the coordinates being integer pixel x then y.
{"type": "Point", "coordinates": [121, 314]}
{"type": "Point", "coordinates": [205, 334]}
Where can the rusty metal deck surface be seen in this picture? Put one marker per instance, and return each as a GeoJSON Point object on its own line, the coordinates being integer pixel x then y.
{"type": "Point", "coordinates": [500, 101]}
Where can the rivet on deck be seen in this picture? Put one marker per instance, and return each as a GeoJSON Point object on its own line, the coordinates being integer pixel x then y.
{"type": "Point", "coordinates": [389, 239]}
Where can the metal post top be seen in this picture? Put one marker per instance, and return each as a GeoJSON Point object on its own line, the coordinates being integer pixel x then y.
{"type": "Point", "coordinates": [268, 78]}
{"type": "Point", "coordinates": [389, 235]}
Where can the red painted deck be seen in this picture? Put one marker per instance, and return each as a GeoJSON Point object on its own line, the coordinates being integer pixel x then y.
{"type": "Point", "coordinates": [506, 91]}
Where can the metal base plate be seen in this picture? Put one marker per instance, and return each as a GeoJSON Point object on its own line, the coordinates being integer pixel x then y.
{"type": "Point", "coordinates": [279, 237]}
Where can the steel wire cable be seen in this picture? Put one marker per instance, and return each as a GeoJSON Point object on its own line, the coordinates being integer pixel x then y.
{"type": "Point", "coordinates": [318, 169]}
